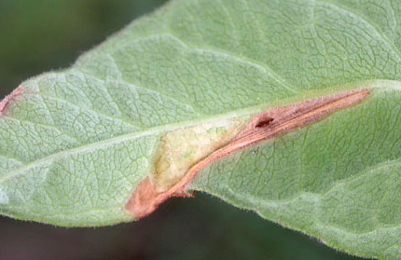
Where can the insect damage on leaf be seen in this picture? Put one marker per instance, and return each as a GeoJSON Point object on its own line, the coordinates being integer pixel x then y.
{"type": "Point", "coordinates": [180, 149]}
{"type": "Point", "coordinates": [173, 171]}
{"type": "Point", "coordinates": [177, 151]}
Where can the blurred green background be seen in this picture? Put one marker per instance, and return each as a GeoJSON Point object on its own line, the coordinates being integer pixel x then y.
{"type": "Point", "coordinates": [43, 35]}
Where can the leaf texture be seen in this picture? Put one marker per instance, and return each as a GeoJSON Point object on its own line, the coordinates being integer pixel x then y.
{"type": "Point", "coordinates": [74, 144]}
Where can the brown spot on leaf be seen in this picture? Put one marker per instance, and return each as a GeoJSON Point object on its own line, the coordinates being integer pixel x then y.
{"type": "Point", "coordinates": [264, 122]}
{"type": "Point", "coordinates": [262, 126]}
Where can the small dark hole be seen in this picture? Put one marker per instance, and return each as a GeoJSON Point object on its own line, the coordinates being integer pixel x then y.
{"type": "Point", "coordinates": [264, 122]}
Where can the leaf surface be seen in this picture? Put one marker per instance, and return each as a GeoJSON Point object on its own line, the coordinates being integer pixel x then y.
{"type": "Point", "coordinates": [173, 87]}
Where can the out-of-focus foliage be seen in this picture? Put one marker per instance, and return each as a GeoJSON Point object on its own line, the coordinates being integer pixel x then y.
{"type": "Point", "coordinates": [43, 35]}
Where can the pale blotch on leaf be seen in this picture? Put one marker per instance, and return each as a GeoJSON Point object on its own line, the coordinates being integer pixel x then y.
{"type": "Point", "coordinates": [182, 153]}
{"type": "Point", "coordinates": [180, 149]}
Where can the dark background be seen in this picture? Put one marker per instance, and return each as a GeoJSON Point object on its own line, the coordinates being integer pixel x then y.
{"type": "Point", "coordinates": [43, 35]}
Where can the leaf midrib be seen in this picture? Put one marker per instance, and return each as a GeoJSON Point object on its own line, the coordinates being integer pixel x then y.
{"type": "Point", "coordinates": [157, 130]}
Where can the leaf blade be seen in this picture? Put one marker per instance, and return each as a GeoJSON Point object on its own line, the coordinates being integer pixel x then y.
{"type": "Point", "coordinates": [189, 63]}
{"type": "Point", "coordinates": [317, 179]}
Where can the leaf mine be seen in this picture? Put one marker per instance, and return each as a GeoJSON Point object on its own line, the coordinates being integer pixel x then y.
{"type": "Point", "coordinates": [180, 149]}
{"type": "Point", "coordinates": [173, 170]}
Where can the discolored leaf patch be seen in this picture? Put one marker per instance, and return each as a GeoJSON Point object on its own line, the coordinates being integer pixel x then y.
{"type": "Point", "coordinates": [152, 191]}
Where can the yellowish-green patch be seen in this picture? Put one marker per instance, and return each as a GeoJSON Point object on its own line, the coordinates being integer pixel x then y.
{"type": "Point", "coordinates": [180, 149]}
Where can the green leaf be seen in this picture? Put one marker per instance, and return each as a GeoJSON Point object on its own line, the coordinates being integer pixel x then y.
{"type": "Point", "coordinates": [173, 87]}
